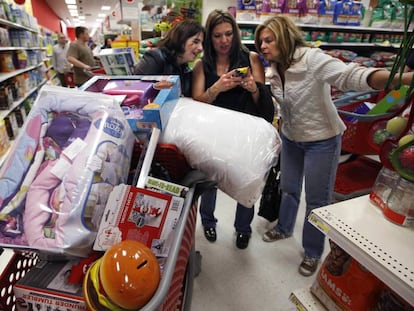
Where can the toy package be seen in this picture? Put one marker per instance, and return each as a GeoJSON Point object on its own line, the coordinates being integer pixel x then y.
{"type": "Point", "coordinates": [73, 149]}
{"type": "Point", "coordinates": [139, 214]}
{"type": "Point", "coordinates": [46, 287]}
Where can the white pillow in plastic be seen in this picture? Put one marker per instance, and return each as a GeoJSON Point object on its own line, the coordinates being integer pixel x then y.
{"type": "Point", "coordinates": [234, 149]}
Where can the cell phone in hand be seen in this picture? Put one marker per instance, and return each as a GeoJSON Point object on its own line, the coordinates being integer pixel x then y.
{"type": "Point", "coordinates": [241, 72]}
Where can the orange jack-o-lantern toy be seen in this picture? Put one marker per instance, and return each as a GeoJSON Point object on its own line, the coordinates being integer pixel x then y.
{"type": "Point", "coordinates": [124, 278]}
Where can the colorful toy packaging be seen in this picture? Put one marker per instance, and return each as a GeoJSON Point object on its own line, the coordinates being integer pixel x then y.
{"type": "Point", "coordinates": [326, 11]}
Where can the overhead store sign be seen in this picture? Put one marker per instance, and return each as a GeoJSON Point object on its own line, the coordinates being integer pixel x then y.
{"type": "Point", "coordinates": [126, 11]}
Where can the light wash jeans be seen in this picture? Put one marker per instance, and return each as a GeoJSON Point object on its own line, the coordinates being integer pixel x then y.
{"type": "Point", "coordinates": [316, 162]}
{"type": "Point", "coordinates": [244, 215]}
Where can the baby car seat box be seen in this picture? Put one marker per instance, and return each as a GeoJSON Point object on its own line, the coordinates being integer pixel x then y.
{"type": "Point", "coordinates": [46, 287]}
{"type": "Point", "coordinates": [139, 214]}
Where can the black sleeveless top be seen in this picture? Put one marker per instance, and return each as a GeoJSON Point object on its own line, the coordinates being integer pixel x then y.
{"type": "Point", "coordinates": [233, 99]}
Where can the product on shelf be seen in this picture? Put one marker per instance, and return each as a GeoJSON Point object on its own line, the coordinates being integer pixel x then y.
{"type": "Point", "coordinates": [344, 284]}
{"type": "Point", "coordinates": [4, 139]}
{"type": "Point", "coordinates": [6, 62]}
{"type": "Point", "coordinates": [79, 145]}
{"type": "Point", "coordinates": [391, 301]}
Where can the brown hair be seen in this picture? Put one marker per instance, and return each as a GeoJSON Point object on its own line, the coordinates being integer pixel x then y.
{"type": "Point", "coordinates": [215, 18]}
{"type": "Point", "coordinates": [176, 37]}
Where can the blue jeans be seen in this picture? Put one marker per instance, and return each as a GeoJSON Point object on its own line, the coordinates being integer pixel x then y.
{"type": "Point", "coordinates": [244, 215]}
{"type": "Point", "coordinates": [316, 162]}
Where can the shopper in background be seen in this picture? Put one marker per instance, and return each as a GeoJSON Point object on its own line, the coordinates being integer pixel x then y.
{"type": "Point", "coordinates": [181, 45]}
{"type": "Point", "coordinates": [300, 79]}
{"type": "Point", "coordinates": [80, 55]}
{"type": "Point", "coordinates": [217, 82]}
{"type": "Point", "coordinates": [59, 60]}
{"type": "Point", "coordinates": [108, 43]}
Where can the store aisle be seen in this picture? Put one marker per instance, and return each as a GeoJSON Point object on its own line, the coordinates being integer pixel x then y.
{"type": "Point", "coordinates": [259, 278]}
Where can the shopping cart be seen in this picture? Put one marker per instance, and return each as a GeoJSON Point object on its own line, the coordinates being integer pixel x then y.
{"type": "Point", "coordinates": [182, 265]}
{"type": "Point", "coordinates": [357, 174]}
{"type": "Point", "coordinates": [13, 266]}
{"type": "Point", "coordinates": [184, 262]}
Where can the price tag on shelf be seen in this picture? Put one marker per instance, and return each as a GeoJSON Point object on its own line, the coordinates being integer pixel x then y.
{"type": "Point", "coordinates": [313, 219]}
{"type": "Point", "coordinates": [299, 306]}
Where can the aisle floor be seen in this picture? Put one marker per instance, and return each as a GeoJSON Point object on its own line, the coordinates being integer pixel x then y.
{"type": "Point", "coordinates": [259, 278]}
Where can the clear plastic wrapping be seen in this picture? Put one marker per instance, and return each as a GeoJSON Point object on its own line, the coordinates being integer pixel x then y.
{"type": "Point", "coordinates": [73, 149]}
{"type": "Point", "coordinates": [234, 149]}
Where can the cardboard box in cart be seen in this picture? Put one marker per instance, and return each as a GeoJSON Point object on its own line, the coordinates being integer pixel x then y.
{"type": "Point", "coordinates": [45, 287]}
{"type": "Point", "coordinates": [155, 113]}
{"type": "Point", "coordinates": [142, 215]}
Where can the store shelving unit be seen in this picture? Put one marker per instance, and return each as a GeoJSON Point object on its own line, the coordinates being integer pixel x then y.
{"type": "Point", "coordinates": [43, 66]}
{"type": "Point", "coordinates": [305, 301]}
{"type": "Point", "coordinates": [338, 28]}
{"type": "Point", "coordinates": [384, 248]}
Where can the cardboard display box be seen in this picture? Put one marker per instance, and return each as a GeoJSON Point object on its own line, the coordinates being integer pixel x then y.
{"type": "Point", "coordinates": [159, 106]}
{"type": "Point", "coordinates": [118, 61]}
{"type": "Point", "coordinates": [45, 287]}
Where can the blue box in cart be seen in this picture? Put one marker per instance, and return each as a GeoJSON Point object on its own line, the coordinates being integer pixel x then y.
{"type": "Point", "coordinates": [159, 100]}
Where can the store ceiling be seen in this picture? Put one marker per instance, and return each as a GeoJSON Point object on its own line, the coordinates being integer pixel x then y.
{"type": "Point", "coordinates": [87, 8]}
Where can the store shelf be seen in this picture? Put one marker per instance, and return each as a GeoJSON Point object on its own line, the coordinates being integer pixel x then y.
{"type": "Point", "coordinates": [7, 75]}
{"type": "Point", "coordinates": [305, 301]}
{"type": "Point", "coordinates": [331, 27]}
{"type": "Point", "coordinates": [17, 103]}
{"type": "Point", "coordinates": [384, 248]}
{"type": "Point", "coordinates": [10, 24]}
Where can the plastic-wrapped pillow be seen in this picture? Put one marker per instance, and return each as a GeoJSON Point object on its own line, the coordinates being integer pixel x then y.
{"type": "Point", "coordinates": [234, 149]}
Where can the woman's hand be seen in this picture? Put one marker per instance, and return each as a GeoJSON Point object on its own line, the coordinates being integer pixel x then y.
{"type": "Point", "coordinates": [228, 81]}
{"type": "Point", "coordinates": [248, 83]}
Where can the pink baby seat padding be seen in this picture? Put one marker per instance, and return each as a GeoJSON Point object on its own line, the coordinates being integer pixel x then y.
{"type": "Point", "coordinates": [74, 148]}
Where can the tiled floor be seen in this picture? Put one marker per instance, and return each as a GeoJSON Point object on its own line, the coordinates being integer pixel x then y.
{"type": "Point", "coordinates": [259, 278]}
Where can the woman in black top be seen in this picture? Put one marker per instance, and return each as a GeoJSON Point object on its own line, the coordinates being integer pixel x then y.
{"type": "Point", "coordinates": [180, 46]}
{"type": "Point", "coordinates": [217, 81]}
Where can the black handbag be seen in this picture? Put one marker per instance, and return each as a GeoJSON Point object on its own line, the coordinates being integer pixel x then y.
{"type": "Point", "coordinates": [271, 195]}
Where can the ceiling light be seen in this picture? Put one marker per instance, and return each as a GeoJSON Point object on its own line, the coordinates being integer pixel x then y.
{"type": "Point", "coordinates": [70, 1]}
{"type": "Point", "coordinates": [72, 7]}
{"type": "Point", "coordinates": [99, 20]}
{"type": "Point", "coordinates": [81, 17]}
{"type": "Point", "coordinates": [105, 8]}
{"type": "Point", "coordinates": [102, 15]}
{"type": "Point", "coordinates": [73, 12]}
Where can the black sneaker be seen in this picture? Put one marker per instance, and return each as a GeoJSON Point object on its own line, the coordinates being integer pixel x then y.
{"type": "Point", "coordinates": [242, 240]}
{"type": "Point", "coordinates": [210, 234]}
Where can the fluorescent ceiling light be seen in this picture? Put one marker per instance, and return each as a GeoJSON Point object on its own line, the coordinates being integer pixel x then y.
{"type": "Point", "coordinates": [105, 8]}
{"type": "Point", "coordinates": [101, 15]}
{"type": "Point", "coordinates": [70, 1]}
{"type": "Point", "coordinates": [72, 7]}
{"type": "Point", "coordinates": [73, 13]}
{"type": "Point", "coordinates": [81, 17]}
{"type": "Point", "coordinates": [99, 20]}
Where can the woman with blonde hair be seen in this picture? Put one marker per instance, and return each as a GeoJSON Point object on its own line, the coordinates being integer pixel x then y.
{"type": "Point", "coordinates": [301, 79]}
